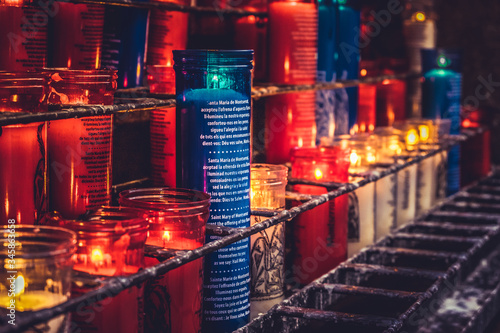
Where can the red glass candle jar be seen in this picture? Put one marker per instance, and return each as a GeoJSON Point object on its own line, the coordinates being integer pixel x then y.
{"type": "Point", "coordinates": [23, 167]}
{"type": "Point", "coordinates": [290, 118]}
{"type": "Point", "coordinates": [40, 273]}
{"type": "Point", "coordinates": [23, 34]}
{"type": "Point", "coordinates": [110, 243]}
{"type": "Point", "coordinates": [77, 32]}
{"type": "Point", "coordinates": [320, 234]}
{"type": "Point", "coordinates": [177, 220]}
{"type": "Point", "coordinates": [168, 31]}
{"type": "Point", "coordinates": [391, 102]}
{"type": "Point", "coordinates": [80, 149]}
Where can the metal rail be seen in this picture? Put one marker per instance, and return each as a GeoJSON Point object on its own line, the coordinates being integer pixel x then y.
{"type": "Point", "coordinates": [142, 101]}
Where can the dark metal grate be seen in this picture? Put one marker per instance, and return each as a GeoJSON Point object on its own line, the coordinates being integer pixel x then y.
{"type": "Point", "coordinates": [428, 276]}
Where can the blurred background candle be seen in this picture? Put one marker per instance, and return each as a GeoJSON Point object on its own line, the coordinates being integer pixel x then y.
{"type": "Point", "coordinates": [124, 43]}
{"type": "Point", "coordinates": [320, 234]}
{"type": "Point", "coordinates": [347, 63]}
{"type": "Point", "coordinates": [110, 243]}
{"type": "Point", "coordinates": [76, 36]}
{"type": "Point", "coordinates": [267, 248]}
{"type": "Point", "coordinates": [361, 204]}
{"type": "Point", "coordinates": [290, 118]}
{"type": "Point", "coordinates": [213, 155]}
{"type": "Point", "coordinates": [325, 99]}
{"type": "Point", "coordinates": [441, 94]}
{"type": "Point", "coordinates": [42, 267]}
{"type": "Point", "coordinates": [23, 47]}
{"type": "Point", "coordinates": [391, 102]}
{"type": "Point", "coordinates": [23, 149]}
{"type": "Point", "coordinates": [177, 220]}
{"type": "Point", "coordinates": [80, 149]}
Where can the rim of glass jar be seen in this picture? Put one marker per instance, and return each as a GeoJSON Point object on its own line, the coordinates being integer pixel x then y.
{"type": "Point", "coordinates": [76, 75]}
{"type": "Point", "coordinates": [269, 174]}
{"type": "Point", "coordinates": [199, 59]}
{"type": "Point", "coordinates": [56, 242]}
{"type": "Point", "coordinates": [330, 153]}
{"type": "Point", "coordinates": [157, 199]}
{"type": "Point", "coordinates": [106, 221]}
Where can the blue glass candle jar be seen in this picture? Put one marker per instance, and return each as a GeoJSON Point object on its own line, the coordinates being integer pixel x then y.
{"type": "Point", "coordinates": [213, 144]}
{"type": "Point", "coordinates": [441, 95]}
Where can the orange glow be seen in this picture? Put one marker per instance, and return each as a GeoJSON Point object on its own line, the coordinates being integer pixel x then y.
{"type": "Point", "coordinates": [318, 174]}
{"type": "Point", "coordinates": [362, 127]}
{"type": "Point", "coordinates": [69, 63]}
{"type": "Point", "coordinates": [287, 65]}
{"type": "Point", "coordinates": [386, 82]}
{"type": "Point", "coordinates": [466, 123]}
{"type": "Point", "coordinates": [363, 72]}
{"type": "Point", "coordinates": [14, 98]}
{"type": "Point", "coordinates": [354, 158]}
{"type": "Point", "coordinates": [97, 59]}
{"type": "Point", "coordinates": [167, 236]}
{"type": "Point", "coordinates": [412, 137]}
{"type": "Point", "coordinates": [424, 132]}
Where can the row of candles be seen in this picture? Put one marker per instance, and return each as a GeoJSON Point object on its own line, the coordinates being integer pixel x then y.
{"type": "Point", "coordinates": [110, 241]}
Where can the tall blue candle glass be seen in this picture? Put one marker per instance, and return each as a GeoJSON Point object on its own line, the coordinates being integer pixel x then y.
{"type": "Point", "coordinates": [347, 65]}
{"type": "Point", "coordinates": [441, 94]}
{"type": "Point", "coordinates": [124, 44]}
{"type": "Point", "coordinates": [213, 146]}
{"type": "Point", "coordinates": [325, 99]}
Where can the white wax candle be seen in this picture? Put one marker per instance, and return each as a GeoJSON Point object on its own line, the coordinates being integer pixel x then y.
{"type": "Point", "coordinates": [385, 205]}
{"type": "Point", "coordinates": [407, 194]}
{"type": "Point", "coordinates": [361, 222]}
{"type": "Point", "coordinates": [425, 185]}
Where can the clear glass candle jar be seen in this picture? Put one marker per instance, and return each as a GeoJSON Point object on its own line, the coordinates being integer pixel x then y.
{"type": "Point", "coordinates": [213, 139]}
{"type": "Point", "coordinates": [177, 220]}
{"type": "Point", "coordinates": [361, 204]}
{"type": "Point", "coordinates": [23, 149]}
{"type": "Point", "coordinates": [23, 34]}
{"type": "Point", "coordinates": [267, 248]}
{"type": "Point", "coordinates": [80, 150]}
{"type": "Point", "coordinates": [110, 243]}
{"type": "Point", "coordinates": [36, 274]}
{"type": "Point", "coordinates": [320, 234]}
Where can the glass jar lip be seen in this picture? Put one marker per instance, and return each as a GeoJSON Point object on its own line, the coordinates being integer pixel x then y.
{"type": "Point", "coordinates": [261, 171]}
{"type": "Point", "coordinates": [164, 199]}
{"type": "Point", "coordinates": [200, 59]}
{"type": "Point", "coordinates": [58, 241]}
{"type": "Point", "coordinates": [103, 222]}
{"type": "Point", "coordinates": [89, 72]}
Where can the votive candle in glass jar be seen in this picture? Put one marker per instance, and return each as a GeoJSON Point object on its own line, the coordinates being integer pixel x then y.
{"type": "Point", "coordinates": [393, 150]}
{"type": "Point", "coordinates": [80, 150]}
{"type": "Point", "coordinates": [23, 38]}
{"type": "Point", "coordinates": [36, 274]}
{"type": "Point", "coordinates": [320, 234]}
{"type": "Point", "coordinates": [361, 204]}
{"type": "Point", "coordinates": [177, 219]}
{"type": "Point", "coordinates": [213, 139]}
{"type": "Point", "coordinates": [23, 149]}
{"type": "Point", "coordinates": [76, 36]}
{"type": "Point", "coordinates": [110, 243]}
{"type": "Point", "coordinates": [267, 248]}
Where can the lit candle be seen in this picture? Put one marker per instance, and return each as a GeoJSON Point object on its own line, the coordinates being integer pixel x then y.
{"type": "Point", "coordinates": [80, 149]}
{"type": "Point", "coordinates": [320, 234]}
{"type": "Point", "coordinates": [361, 216]}
{"type": "Point", "coordinates": [391, 102]}
{"type": "Point", "coordinates": [77, 36]}
{"type": "Point", "coordinates": [110, 243]}
{"type": "Point", "coordinates": [23, 170]}
{"type": "Point", "coordinates": [39, 276]}
{"type": "Point", "coordinates": [290, 118]}
{"type": "Point", "coordinates": [267, 248]}
{"type": "Point", "coordinates": [24, 45]}
{"type": "Point", "coordinates": [177, 221]}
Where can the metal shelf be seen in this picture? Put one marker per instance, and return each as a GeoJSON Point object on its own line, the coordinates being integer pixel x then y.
{"type": "Point", "coordinates": [133, 100]}
{"type": "Point", "coordinates": [113, 286]}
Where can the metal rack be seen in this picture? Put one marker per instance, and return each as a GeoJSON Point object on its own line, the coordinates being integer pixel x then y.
{"type": "Point", "coordinates": [113, 286]}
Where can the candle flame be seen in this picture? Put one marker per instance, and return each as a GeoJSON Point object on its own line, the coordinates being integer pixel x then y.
{"type": "Point", "coordinates": [420, 17]}
{"type": "Point", "coordinates": [19, 285]}
{"type": "Point", "coordinates": [97, 256]}
{"type": "Point", "coordinates": [370, 157]}
{"type": "Point", "coordinates": [167, 236]}
{"type": "Point", "coordinates": [412, 137]}
{"type": "Point", "coordinates": [318, 174]}
{"type": "Point", "coordinates": [14, 98]}
{"type": "Point", "coordinates": [424, 132]}
{"type": "Point", "coordinates": [354, 158]}
{"type": "Point", "coordinates": [363, 72]}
